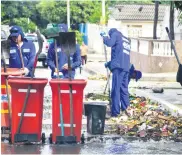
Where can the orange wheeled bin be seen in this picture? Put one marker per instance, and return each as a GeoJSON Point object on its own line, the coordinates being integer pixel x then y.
{"type": "Point", "coordinates": [77, 92]}
{"type": "Point", "coordinates": [4, 99]}
{"type": "Point", "coordinates": [31, 127]}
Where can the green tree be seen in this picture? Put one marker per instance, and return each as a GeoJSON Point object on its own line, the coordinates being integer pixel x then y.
{"type": "Point", "coordinates": [23, 22]}
{"type": "Point", "coordinates": [43, 12]}
{"type": "Point", "coordinates": [14, 9]}
{"type": "Point", "coordinates": [17, 13]}
{"type": "Point", "coordinates": [178, 5]}
{"type": "Point", "coordinates": [80, 11]}
{"type": "Point", "coordinates": [54, 11]}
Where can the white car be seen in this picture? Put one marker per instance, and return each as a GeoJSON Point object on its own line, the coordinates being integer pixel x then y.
{"type": "Point", "coordinates": [43, 55]}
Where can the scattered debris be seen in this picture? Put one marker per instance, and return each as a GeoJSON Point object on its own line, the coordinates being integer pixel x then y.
{"type": "Point", "coordinates": [98, 77]}
{"type": "Point", "coordinates": [145, 119]}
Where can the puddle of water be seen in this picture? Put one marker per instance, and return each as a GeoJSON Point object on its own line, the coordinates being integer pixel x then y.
{"type": "Point", "coordinates": [121, 146]}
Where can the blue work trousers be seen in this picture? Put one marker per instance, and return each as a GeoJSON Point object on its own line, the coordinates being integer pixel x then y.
{"type": "Point", "coordinates": [119, 92]}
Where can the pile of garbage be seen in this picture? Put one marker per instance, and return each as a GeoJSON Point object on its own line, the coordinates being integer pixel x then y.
{"type": "Point", "coordinates": [145, 119]}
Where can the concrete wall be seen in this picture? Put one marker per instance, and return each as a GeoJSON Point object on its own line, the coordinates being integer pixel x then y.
{"type": "Point", "coordinates": [156, 64]}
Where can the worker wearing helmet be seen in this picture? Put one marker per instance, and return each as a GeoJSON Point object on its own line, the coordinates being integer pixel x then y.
{"type": "Point", "coordinates": [119, 66]}
{"type": "Point", "coordinates": [21, 46]}
{"type": "Point", "coordinates": [75, 59]}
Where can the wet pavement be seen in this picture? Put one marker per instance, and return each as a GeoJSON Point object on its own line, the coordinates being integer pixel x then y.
{"type": "Point", "coordinates": [96, 146]}
{"type": "Point", "coordinates": [110, 146]}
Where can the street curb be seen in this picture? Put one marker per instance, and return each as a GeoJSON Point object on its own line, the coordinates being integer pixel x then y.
{"type": "Point", "coordinates": [150, 87]}
{"type": "Point", "coordinates": [172, 108]}
{"type": "Point", "coordinates": [153, 78]}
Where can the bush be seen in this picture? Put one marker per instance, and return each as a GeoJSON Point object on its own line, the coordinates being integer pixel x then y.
{"type": "Point", "coordinates": [23, 22]}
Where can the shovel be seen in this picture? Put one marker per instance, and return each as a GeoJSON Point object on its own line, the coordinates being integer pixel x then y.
{"type": "Point", "coordinates": [40, 41]}
{"type": "Point", "coordinates": [179, 73]}
{"type": "Point", "coordinates": [59, 96]}
{"type": "Point", "coordinates": [54, 33]}
{"type": "Point", "coordinates": [67, 40]}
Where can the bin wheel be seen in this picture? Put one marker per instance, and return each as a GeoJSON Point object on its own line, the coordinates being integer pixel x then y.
{"type": "Point", "coordinates": [43, 138]}
{"type": "Point", "coordinates": [50, 138]}
{"type": "Point", "coordinates": [82, 139]}
{"type": "Point", "coordinates": [9, 139]}
{"type": "Point", "coordinates": [44, 64]}
{"type": "Point", "coordinates": [2, 130]}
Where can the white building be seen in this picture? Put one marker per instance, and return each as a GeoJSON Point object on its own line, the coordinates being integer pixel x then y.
{"type": "Point", "coordinates": [138, 20]}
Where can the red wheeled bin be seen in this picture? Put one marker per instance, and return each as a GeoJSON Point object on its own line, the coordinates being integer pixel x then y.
{"type": "Point", "coordinates": [5, 124]}
{"type": "Point", "coordinates": [31, 128]}
{"type": "Point", "coordinates": [77, 92]}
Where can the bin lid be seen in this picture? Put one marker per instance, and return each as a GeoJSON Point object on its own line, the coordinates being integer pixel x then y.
{"type": "Point", "coordinates": [27, 80]}
{"type": "Point", "coordinates": [99, 103]}
{"type": "Point", "coordinates": [67, 81]}
{"type": "Point", "coordinates": [11, 71]}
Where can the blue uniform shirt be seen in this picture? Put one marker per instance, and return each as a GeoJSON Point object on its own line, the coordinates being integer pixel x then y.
{"type": "Point", "coordinates": [28, 54]}
{"type": "Point", "coordinates": [63, 59]}
{"type": "Point", "coordinates": [120, 50]}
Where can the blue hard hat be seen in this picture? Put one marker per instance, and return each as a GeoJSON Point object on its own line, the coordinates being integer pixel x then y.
{"type": "Point", "coordinates": [138, 75]}
{"type": "Point", "coordinates": [15, 31]}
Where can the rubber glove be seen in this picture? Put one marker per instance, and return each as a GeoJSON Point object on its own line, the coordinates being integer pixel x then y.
{"type": "Point", "coordinates": [102, 34]}
{"type": "Point", "coordinates": [108, 65]}
{"type": "Point", "coordinates": [60, 75]}
{"type": "Point", "coordinates": [25, 71]}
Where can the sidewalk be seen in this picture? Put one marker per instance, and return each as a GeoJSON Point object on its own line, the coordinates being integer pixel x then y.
{"type": "Point", "coordinates": [97, 67]}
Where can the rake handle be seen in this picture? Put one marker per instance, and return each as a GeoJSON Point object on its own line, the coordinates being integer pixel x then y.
{"type": "Point", "coordinates": [172, 45]}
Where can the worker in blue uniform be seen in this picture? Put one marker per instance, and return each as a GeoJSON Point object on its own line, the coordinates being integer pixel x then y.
{"type": "Point", "coordinates": [75, 59]}
{"type": "Point", "coordinates": [119, 66]}
{"type": "Point", "coordinates": [21, 46]}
